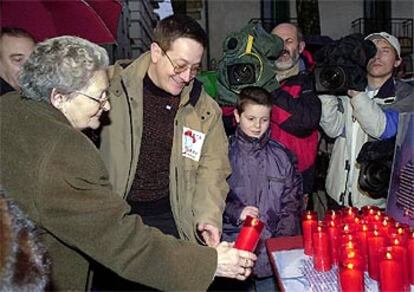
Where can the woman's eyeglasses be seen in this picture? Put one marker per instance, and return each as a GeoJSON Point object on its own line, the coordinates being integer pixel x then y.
{"type": "Point", "coordinates": [101, 100]}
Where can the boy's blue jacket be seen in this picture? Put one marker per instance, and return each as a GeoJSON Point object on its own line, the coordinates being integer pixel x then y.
{"type": "Point", "coordinates": [263, 176]}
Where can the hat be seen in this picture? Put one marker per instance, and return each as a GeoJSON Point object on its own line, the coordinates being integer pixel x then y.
{"type": "Point", "coordinates": [392, 40]}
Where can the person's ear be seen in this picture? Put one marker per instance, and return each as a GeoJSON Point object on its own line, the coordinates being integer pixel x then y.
{"type": "Point", "coordinates": [236, 115]}
{"type": "Point", "coordinates": [397, 62]}
{"type": "Point", "coordinates": [57, 99]}
{"type": "Point", "coordinates": [302, 46]}
{"type": "Point", "coordinates": [155, 52]}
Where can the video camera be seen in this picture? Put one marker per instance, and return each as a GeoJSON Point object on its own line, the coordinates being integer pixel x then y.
{"type": "Point", "coordinates": [341, 65]}
{"type": "Point", "coordinates": [375, 159]}
{"type": "Point", "coordinates": [248, 60]}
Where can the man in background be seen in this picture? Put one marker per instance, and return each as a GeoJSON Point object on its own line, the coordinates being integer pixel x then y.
{"type": "Point", "coordinates": [16, 45]}
{"type": "Point", "coordinates": [358, 117]}
{"type": "Point", "coordinates": [296, 108]}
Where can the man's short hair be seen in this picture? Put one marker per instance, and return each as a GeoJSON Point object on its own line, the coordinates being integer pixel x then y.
{"type": "Point", "coordinates": [253, 95]}
{"type": "Point", "coordinates": [173, 27]}
{"type": "Point", "coordinates": [16, 32]}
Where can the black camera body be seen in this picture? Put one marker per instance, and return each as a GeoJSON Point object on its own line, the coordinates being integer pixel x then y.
{"type": "Point", "coordinates": [375, 159]}
{"type": "Point", "coordinates": [332, 79]}
{"type": "Point", "coordinates": [341, 65]}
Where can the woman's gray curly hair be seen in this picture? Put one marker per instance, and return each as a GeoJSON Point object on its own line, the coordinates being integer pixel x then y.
{"type": "Point", "coordinates": [65, 63]}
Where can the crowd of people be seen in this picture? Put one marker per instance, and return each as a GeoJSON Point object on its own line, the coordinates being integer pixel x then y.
{"type": "Point", "coordinates": [157, 205]}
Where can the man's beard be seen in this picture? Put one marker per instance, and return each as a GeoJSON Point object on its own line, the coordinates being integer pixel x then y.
{"type": "Point", "coordinates": [286, 65]}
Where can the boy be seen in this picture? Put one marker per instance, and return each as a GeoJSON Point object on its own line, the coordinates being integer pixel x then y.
{"type": "Point", "coordinates": [264, 182]}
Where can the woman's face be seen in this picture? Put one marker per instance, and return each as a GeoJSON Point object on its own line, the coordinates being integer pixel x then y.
{"type": "Point", "coordinates": [85, 106]}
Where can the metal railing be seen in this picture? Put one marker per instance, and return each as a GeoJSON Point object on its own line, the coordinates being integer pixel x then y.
{"type": "Point", "coordinates": [402, 28]}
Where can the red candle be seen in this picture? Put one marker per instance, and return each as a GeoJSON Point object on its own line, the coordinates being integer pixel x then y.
{"type": "Point", "coordinates": [401, 232]}
{"type": "Point", "coordinates": [362, 233]}
{"type": "Point", "coordinates": [249, 234]}
{"type": "Point", "coordinates": [410, 248]}
{"type": "Point", "coordinates": [369, 212]}
{"type": "Point", "coordinates": [349, 214]}
{"type": "Point", "coordinates": [334, 240]}
{"type": "Point", "coordinates": [351, 276]}
{"type": "Point", "coordinates": [375, 243]}
{"type": "Point", "coordinates": [322, 261]}
{"type": "Point", "coordinates": [390, 272]}
{"type": "Point", "coordinates": [401, 253]}
{"type": "Point", "coordinates": [332, 215]}
{"type": "Point", "coordinates": [309, 222]}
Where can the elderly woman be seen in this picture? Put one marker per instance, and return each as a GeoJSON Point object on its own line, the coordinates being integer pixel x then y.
{"type": "Point", "coordinates": [55, 174]}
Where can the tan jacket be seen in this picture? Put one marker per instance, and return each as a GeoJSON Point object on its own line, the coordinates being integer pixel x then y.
{"type": "Point", "coordinates": [197, 188]}
{"type": "Point", "coordinates": [55, 175]}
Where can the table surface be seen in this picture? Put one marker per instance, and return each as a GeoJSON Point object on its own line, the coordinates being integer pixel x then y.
{"type": "Point", "coordinates": [296, 271]}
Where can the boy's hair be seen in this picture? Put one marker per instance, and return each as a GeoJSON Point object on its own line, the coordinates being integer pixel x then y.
{"type": "Point", "coordinates": [173, 27]}
{"type": "Point", "coordinates": [253, 95]}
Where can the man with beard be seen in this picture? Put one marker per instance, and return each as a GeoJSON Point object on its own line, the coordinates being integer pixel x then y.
{"type": "Point", "coordinates": [358, 117]}
{"type": "Point", "coordinates": [296, 108]}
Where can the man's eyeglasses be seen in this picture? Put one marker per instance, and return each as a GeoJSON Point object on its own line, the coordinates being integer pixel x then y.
{"type": "Point", "coordinates": [101, 100]}
{"type": "Point", "coordinates": [178, 69]}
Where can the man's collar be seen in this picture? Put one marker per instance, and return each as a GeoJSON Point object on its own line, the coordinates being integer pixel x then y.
{"type": "Point", "coordinates": [282, 75]}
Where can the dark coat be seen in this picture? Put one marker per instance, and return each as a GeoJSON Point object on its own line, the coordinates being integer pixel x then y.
{"type": "Point", "coordinates": [263, 176]}
{"type": "Point", "coordinates": [296, 114]}
{"type": "Point", "coordinates": [55, 174]}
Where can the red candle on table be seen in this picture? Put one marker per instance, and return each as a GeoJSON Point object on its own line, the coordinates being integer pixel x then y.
{"type": "Point", "coordinates": [349, 214]}
{"type": "Point", "coordinates": [309, 222]}
{"type": "Point", "coordinates": [410, 249]}
{"type": "Point", "coordinates": [375, 243]}
{"type": "Point", "coordinates": [334, 240]}
{"type": "Point", "coordinates": [390, 272]}
{"type": "Point", "coordinates": [322, 261]}
{"type": "Point", "coordinates": [401, 254]}
{"type": "Point", "coordinates": [351, 276]}
{"type": "Point", "coordinates": [332, 215]}
{"type": "Point", "coordinates": [249, 235]}
{"type": "Point", "coordinates": [362, 233]}
{"type": "Point", "coordinates": [401, 232]}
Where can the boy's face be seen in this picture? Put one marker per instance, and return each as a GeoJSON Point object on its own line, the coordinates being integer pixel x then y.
{"type": "Point", "coordinates": [255, 119]}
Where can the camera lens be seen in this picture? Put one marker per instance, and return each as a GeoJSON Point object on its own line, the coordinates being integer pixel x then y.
{"type": "Point", "coordinates": [332, 78]}
{"type": "Point", "coordinates": [375, 179]}
{"type": "Point", "coordinates": [240, 74]}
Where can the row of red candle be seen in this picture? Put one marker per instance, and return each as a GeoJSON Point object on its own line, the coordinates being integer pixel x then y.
{"type": "Point", "coordinates": [356, 241]}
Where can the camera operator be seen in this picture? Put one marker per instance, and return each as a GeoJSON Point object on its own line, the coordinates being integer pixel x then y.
{"type": "Point", "coordinates": [296, 108]}
{"type": "Point", "coordinates": [360, 116]}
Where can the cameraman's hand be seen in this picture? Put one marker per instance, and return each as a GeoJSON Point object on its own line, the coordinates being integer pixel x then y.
{"type": "Point", "coordinates": [352, 93]}
{"type": "Point", "coordinates": [233, 263]}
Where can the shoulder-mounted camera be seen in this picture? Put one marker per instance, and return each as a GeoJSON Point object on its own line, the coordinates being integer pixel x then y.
{"type": "Point", "coordinates": [341, 65]}
{"type": "Point", "coordinates": [248, 60]}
